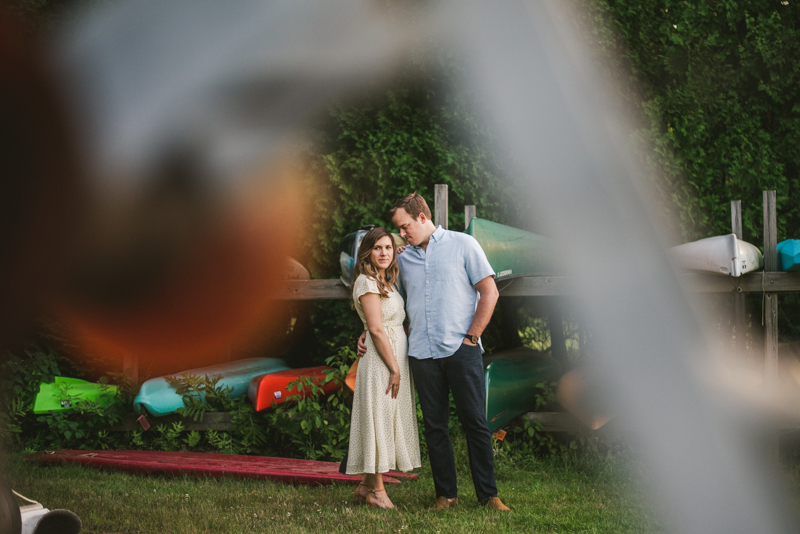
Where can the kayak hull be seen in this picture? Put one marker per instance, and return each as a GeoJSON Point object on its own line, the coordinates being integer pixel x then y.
{"type": "Point", "coordinates": [157, 397]}
{"type": "Point", "coordinates": [789, 255]}
{"type": "Point", "coordinates": [50, 398]}
{"type": "Point", "coordinates": [215, 465]}
{"type": "Point", "coordinates": [510, 379]}
{"type": "Point", "coordinates": [723, 254]}
{"type": "Point", "coordinates": [512, 252]}
{"type": "Point", "coordinates": [273, 388]}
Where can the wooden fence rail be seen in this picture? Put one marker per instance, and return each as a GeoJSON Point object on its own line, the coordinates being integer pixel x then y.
{"type": "Point", "coordinates": [550, 286]}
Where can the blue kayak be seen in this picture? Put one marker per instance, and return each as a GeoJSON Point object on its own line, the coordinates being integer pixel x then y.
{"type": "Point", "coordinates": [159, 398]}
{"type": "Point", "coordinates": [789, 255]}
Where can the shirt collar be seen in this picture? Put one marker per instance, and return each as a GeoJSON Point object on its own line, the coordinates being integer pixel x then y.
{"type": "Point", "coordinates": [436, 236]}
{"type": "Point", "coordinates": [438, 233]}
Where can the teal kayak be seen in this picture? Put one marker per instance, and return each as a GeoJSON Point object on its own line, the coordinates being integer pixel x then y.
{"type": "Point", "coordinates": [789, 255]}
{"type": "Point", "coordinates": [62, 394]}
{"type": "Point", "coordinates": [513, 252]}
{"type": "Point", "coordinates": [157, 397]}
{"type": "Point", "coordinates": [510, 379]}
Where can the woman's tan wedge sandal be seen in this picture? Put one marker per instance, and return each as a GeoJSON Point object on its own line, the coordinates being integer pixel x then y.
{"type": "Point", "coordinates": [375, 505]}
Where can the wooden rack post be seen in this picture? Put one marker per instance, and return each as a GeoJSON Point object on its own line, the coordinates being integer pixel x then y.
{"type": "Point", "coordinates": [739, 311]}
{"type": "Point", "coordinates": [469, 214]}
{"type": "Point", "coordinates": [130, 368]}
{"type": "Point", "coordinates": [771, 306]}
{"type": "Point", "coordinates": [440, 205]}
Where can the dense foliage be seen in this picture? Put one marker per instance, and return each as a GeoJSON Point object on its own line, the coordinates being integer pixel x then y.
{"type": "Point", "coordinates": [719, 82]}
{"type": "Point", "coordinates": [718, 85]}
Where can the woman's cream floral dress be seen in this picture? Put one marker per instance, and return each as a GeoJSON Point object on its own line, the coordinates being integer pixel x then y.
{"type": "Point", "coordinates": [383, 430]}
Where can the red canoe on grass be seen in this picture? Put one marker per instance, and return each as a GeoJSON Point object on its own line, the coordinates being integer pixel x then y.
{"type": "Point", "coordinates": [272, 388]}
{"type": "Point", "coordinates": [214, 465]}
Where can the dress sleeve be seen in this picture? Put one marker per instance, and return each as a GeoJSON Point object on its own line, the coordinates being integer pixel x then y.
{"type": "Point", "coordinates": [364, 285]}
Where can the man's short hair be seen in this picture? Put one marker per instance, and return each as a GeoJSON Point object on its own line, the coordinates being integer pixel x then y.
{"type": "Point", "coordinates": [414, 204]}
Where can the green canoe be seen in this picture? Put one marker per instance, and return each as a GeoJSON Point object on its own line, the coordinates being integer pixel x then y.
{"type": "Point", "coordinates": [510, 379]}
{"type": "Point", "coordinates": [513, 252]}
{"type": "Point", "coordinates": [61, 395]}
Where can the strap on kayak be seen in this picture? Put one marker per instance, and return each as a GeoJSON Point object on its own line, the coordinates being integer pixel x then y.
{"type": "Point", "coordinates": [24, 498]}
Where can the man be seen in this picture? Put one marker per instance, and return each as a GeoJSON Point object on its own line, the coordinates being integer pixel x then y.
{"type": "Point", "coordinates": [444, 275]}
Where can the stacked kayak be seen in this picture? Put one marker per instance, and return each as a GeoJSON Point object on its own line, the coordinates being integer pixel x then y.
{"type": "Point", "coordinates": [512, 252]}
{"type": "Point", "coordinates": [158, 397]}
{"type": "Point", "coordinates": [723, 254]}
{"type": "Point", "coordinates": [510, 379]}
{"type": "Point", "coordinates": [273, 388]}
{"type": "Point", "coordinates": [789, 255]}
{"type": "Point", "coordinates": [61, 394]}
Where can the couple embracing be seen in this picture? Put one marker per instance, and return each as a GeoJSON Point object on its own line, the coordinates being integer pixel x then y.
{"type": "Point", "coordinates": [445, 286]}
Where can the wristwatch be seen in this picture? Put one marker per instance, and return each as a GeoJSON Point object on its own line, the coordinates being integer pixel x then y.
{"type": "Point", "coordinates": [473, 339]}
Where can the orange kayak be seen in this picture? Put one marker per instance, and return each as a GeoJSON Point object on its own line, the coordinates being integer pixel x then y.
{"type": "Point", "coordinates": [273, 388]}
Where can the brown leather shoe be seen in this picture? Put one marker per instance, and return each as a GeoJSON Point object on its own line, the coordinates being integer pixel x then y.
{"type": "Point", "coordinates": [443, 504]}
{"type": "Point", "coordinates": [496, 504]}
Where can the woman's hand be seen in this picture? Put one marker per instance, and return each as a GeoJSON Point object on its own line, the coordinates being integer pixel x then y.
{"type": "Point", "coordinates": [394, 382]}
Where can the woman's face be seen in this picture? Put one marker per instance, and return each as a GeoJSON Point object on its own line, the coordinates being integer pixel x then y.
{"type": "Point", "coordinates": [382, 253]}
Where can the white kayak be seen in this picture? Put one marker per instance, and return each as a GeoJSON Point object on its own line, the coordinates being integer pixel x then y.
{"type": "Point", "coordinates": [722, 254]}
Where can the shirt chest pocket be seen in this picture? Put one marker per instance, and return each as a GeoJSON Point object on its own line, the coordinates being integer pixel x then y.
{"type": "Point", "coordinates": [449, 269]}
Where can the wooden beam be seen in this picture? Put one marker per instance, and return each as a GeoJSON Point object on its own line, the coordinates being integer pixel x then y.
{"type": "Point", "coordinates": [558, 345]}
{"type": "Point", "coordinates": [536, 286]}
{"type": "Point", "coordinates": [312, 290]}
{"type": "Point", "coordinates": [770, 310]}
{"type": "Point", "coordinates": [739, 309]}
{"type": "Point", "coordinates": [553, 286]}
{"type": "Point", "coordinates": [556, 421]}
{"type": "Point", "coordinates": [211, 421]}
{"type": "Point", "coordinates": [469, 214]}
{"type": "Point", "coordinates": [759, 282]}
{"type": "Point", "coordinates": [770, 298]}
{"type": "Point", "coordinates": [440, 205]}
{"type": "Point", "coordinates": [130, 368]}
{"type": "Point", "coordinates": [770, 232]}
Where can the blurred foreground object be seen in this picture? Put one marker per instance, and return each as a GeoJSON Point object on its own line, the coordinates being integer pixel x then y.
{"type": "Point", "coordinates": [186, 120]}
{"type": "Point", "coordinates": [39, 185]}
{"type": "Point", "coordinates": [36, 519]}
{"type": "Point", "coordinates": [574, 393]}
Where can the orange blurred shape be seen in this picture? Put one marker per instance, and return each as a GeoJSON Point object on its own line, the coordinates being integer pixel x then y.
{"type": "Point", "coordinates": [39, 185]}
{"type": "Point", "coordinates": [216, 301]}
{"type": "Point", "coordinates": [350, 379]}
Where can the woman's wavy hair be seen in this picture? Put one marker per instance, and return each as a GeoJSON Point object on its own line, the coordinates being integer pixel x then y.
{"type": "Point", "coordinates": [364, 265]}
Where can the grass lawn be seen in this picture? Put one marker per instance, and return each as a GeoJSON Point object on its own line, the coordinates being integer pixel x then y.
{"type": "Point", "coordinates": [546, 497]}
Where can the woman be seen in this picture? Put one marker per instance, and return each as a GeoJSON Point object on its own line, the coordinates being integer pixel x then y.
{"type": "Point", "coordinates": [383, 428]}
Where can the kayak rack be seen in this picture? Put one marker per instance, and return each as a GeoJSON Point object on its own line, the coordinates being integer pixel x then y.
{"type": "Point", "coordinates": [769, 283]}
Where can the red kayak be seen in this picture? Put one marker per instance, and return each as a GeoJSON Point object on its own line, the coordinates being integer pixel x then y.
{"type": "Point", "coordinates": [272, 388]}
{"type": "Point", "coordinates": [214, 465]}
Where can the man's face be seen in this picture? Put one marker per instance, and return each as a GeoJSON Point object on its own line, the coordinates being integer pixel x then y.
{"type": "Point", "coordinates": [410, 228]}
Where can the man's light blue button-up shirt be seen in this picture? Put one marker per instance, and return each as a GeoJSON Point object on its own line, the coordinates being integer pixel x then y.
{"type": "Point", "coordinates": [439, 287]}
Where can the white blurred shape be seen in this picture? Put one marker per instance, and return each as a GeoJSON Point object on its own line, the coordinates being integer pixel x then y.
{"type": "Point", "coordinates": [222, 81]}
{"type": "Point", "coordinates": [557, 117]}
